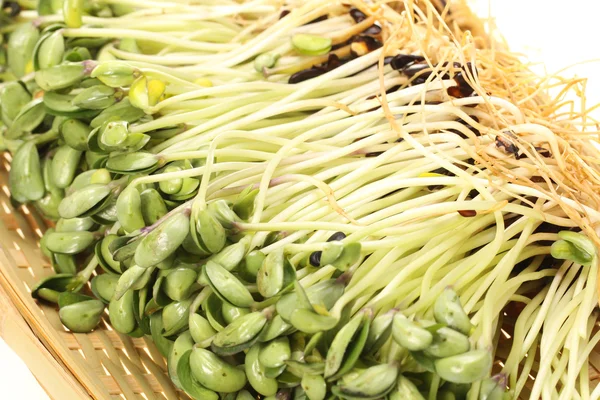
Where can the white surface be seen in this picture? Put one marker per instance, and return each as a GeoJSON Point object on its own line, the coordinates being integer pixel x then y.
{"type": "Point", "coordinates": [16, 382]}
{"type": "Point", "coordinates": [560, 33]}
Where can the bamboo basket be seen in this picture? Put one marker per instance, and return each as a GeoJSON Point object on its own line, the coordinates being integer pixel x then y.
{"type": "Point", "coordinates": [105, 364]}
{"type": "Point", "coordinates": [100, 365]}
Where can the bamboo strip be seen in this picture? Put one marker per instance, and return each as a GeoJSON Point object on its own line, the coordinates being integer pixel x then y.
{"type": "Point", "coordinates": [168, 390]}
{"type": "Point", "coordinates": [155, 354]}
{"type": "Point", "coordinates": [15, 332]}
{"type": "Point", "coordinates": [138, 376]}
{"type": "Point", "coordinates": [119, 377]}
{"type": "Point", "coordinates": [99, 344]}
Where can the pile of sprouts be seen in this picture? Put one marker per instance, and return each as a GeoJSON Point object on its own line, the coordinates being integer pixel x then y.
{"type": "Point", "coordinates": [398, 149]}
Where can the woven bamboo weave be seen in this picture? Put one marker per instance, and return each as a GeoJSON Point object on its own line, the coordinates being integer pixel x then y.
{"type": "Point", "coordinates": [101, 365]}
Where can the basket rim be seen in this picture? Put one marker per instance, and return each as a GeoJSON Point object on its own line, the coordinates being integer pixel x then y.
{"type": "Point", "coordinates": [74, 380]}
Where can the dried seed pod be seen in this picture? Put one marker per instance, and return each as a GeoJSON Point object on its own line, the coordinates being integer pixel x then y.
{"type": "Point", "coordinates": [506, 145]}
{"type": "Point", "coordinates": [306, 74]}
{"type": "Point", "coordinates": [401, 61]}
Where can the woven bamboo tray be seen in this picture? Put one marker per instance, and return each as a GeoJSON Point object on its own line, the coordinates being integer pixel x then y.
{"type": "Point", "coordinates": [103, 364]}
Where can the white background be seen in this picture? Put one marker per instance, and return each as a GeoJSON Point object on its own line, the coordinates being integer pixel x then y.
{"type": "Point", "coordinates": [560, 33]}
